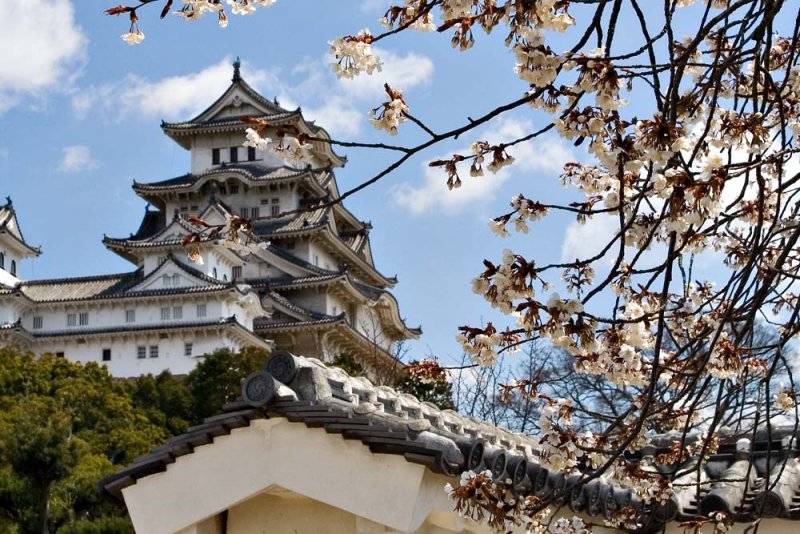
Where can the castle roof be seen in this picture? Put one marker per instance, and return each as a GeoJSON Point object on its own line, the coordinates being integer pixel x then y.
{"type": "Point", "coordinates": [240, 99]}
{"type": "Point", "coordinates": [9, 226]}
{"type": "Point", "coordinates": [744, 479]}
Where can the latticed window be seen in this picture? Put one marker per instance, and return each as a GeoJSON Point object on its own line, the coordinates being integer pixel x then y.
{"type": "Point", "coordinates": [154, 351]}
{"type": "Point", "coordinates": [236, 272]}
{"type": "Point", "coordinates": [177, 312]}
{"type": "Point", "coordinates": [201, 310]}
{"type": "Point", "coordinates": [72, 319]}
{"type": "Point", "coordinates": [83, 319]}
{"type": "Point", "coordinates": [141, 352]}
{"type": "Point", "coordinates": [130, 316]}
{"type": "Point", "coordinates": [165, 314]}
{"type": "Point", "coordinates": [37, 322]}
{"type": "Point", "coordinates": [187, 349]}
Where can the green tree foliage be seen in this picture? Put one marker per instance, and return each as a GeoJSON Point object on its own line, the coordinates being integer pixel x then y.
{"type": "Point", "coordinates": [165, 399]}
{"type": "Point", "coordinates": [63, 426]}
{"type": "Point", "coordinates": [218, 379]}
{"type": "Point", "coordinates": [438, 393]}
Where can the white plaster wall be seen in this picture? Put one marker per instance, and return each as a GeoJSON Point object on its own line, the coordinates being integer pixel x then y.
{"type": "Point", "coordinates": [203, 145]}
{"type": "Point", "coordinates": [322, 258]}
{"type": "Point", "coordinates": [124, 361]}
{"type": "Point", "coordinates": [111, 313]}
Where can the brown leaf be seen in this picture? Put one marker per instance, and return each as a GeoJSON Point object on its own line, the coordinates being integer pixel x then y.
{"type": "Point", "coordinates": [118, 10]}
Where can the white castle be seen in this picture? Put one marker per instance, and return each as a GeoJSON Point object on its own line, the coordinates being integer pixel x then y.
{"type": "Point", "coordinates": [309, 286]}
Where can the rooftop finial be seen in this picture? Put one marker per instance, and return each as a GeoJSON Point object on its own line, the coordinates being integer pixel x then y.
{"type": "Point", "coordinates": [236, 65]}
{"type": "Point", "coordinates": [8, 201]}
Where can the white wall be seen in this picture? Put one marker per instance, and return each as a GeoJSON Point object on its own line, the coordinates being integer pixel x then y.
{"type": "Point", "coordinates": [124, 356]}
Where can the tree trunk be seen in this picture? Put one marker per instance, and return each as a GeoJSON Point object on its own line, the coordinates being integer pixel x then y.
{"type": "Point", "coordinates": [44, 507]}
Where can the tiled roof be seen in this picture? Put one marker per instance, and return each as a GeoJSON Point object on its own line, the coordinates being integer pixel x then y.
{"type": "Point", "coordinates": [79, 288]}
{"type": "Point", "coordinates": [738, 480]}
{"type": "Point", "coordinates": [306, 221]}
{"type": "Point", "coordinates": [152, 223]}
{"type": "Point", "coordinates": [8, 214]}
{"type": "Point", "coordinates": [113, 286]}
{"type": "Point", "coordinates": [177, 325]}
{"type": "Point", "coordinates": [254, 171]}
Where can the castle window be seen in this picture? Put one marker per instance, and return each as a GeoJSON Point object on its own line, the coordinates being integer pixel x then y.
{"type": "Point", "coordinates": [13, 268]}
{"type": "Point", "coordinates": [187, 349]}
{"type": "Point", "coordinates": [236, 272]}
{"type": "Point", "coordinates": [130, 316]}
{"type": "Point", "coordinates": [166, 280]}
{"type": "Point", "coordinates": [316, 260]}
{"type": "Point", "coordinates": [201, 310]}
{"type": "Point", "coordinates": [234, 189]}
{"type": "Point", "coordinates": [215, 156]}
{"type": "Point", "coordinates": [106, 355]}
{"type": "Point", "coordinates": [234, 154]}
{"type": "Point", "coordinates": [2, 261]}
{"type": "Point", "coordinates": [37, 322]}
{"type": "Point", "coordinates": [276, 206]}
{"type": "Point", "coordinates": [251, 153]}
{"type": "Point", "coordinates": [244, 212]}
{"type": "Point", "coordinates": [154, 351]}
{"type": "Point", "coordinates": [59, 354]}
{"type": "Point", "coordinates": [83, 319]}
{"type": "Point", "coordinates": [176, 280]}
{"type": "Point", "coordinates": [72, 319]}
{"type": "Point", "coordinates": [177, 312]}
{"type": "Point", "coordinates": [165, 314]}
{"type": "Point", "coordinates": [141, 352]}
{"type": "Point", "coordinates": [214, 273]}
{"type": "Point", "coordinates": [254, 213]}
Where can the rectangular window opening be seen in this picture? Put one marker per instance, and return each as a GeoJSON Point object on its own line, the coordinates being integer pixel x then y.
{"type": "Point", "coordinates": [37, 322]}
{"type": "Point", "coordinates": [130, 316]}
{"type": "Point", "coordinates": [234, 154]}
{"type": "Point", "coordinates": [72, 319]}
{"type": "Point", "coordinates": [83, 319]}
{"type": "Point", "coordinates": [201, 310]}
{"type": "Point", "coordinates": [141, 352]}
{"type": "Point", "coordinates": [251, 153]}
{"type": "Point", "coordinates": [154, 351]}
{"type": "Point", "coordinates": [187, 349]}
{"type": "Point", "coordinates": [165, 314]}
{"type": "Point", "coordinates": [177, 312]}
{"type": "Point", "coordinates": [215, 156]}
{"type": "Point", "coordinates": [106, 355]}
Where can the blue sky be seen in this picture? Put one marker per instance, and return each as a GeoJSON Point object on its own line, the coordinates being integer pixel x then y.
{"type": "Point", "coordinates": [80, 113]}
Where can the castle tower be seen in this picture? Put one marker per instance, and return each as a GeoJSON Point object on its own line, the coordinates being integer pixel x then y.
{"type": "Point", "coordinates": [312, 269]}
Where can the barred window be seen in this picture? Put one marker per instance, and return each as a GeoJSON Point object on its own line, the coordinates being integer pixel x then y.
{"type": "Point", "coordinates": [177, 312]}
{"type": "Point", "coordinates": [141, 352]}
{"type": "Point", "coordinates": [83, 319]}
{"type": "Point", "coordinates": [201, 310]}
{"type": "Point", "coordinates": [72, 319]}
{"type": "Point", "coordinates": [154, 351]}
{"type": "Point", "coordinates": [165, 314]}
{"type": "Point", "coordinates": [236, 272]}
{"type": "Point", "coordinates": [37, 322]}
{"type": "Point", "coordinates": [187, 349]}
{"type": "Point", "coordinates": [130, 316]}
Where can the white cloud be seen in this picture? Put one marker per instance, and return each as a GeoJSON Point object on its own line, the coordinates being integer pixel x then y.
{"type": "Point", "coordinates": [172, 98]}
{"type": "Point", "coordinates": [401, 72]}
{"type": "Point", "coordinates": [42, 46]}
{"type": "Point", "coordinates": [338, 105]}
{"type": "Point", "coordinates": [584, 241]}
{"type": "Point", "coordinates": [76, 158]}
{"type": "Point", "coordinates": [546, 155]}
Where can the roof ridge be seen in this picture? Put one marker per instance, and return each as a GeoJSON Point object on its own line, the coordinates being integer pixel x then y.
{"type": "Point", "coordinates": [78, 279]}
